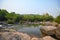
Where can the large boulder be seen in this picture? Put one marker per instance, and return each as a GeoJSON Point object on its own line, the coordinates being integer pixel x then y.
{"type": "Point", "coordinates": [14, 36]}
{"type": "Point", "coordinates": [58, 33]}
{"type": "Point", "coordinates": [48, 30]}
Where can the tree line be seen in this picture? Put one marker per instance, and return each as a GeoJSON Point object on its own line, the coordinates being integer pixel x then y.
{"type": "Point", "coordinates": [13, 17]}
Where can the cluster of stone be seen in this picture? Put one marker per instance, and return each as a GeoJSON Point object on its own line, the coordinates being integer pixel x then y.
{"type": "Point", "coordinates": [21, 36]}
{"type": "Point", "coordinates": [48, 33]}
{"type": "Point", "coordinates": [51, 31]}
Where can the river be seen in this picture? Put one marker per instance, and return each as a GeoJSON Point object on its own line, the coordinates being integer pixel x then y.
{"type": "Point", "coordinates": [33, 30]}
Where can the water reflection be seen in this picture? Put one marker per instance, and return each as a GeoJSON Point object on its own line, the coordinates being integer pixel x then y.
{"type": "Point", "coordinates": [33, 30]}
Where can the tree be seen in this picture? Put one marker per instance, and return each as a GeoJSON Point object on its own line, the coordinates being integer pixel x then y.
{"type": "Point", "coordinates": [26, 17]}
{"type": "Point", "coordinates": [18, 18]}
{"type": "Point", "coordinates": [57, 19]}
{"type": "Point", "coordinates": [2, 14]}
{"type": "Point", "coordinates": [31, 18]}
{"type": "Point", "coordinates": [11, 17]}
{"type": "Point", "coordinates": [47, 17]}
{"type": "Point", "coordinates": [15, 18]}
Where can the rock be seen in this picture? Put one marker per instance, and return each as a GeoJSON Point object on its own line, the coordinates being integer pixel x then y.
{"type": "Point", "coordinates": [58, 25]}
{"type": "Point", "coordinates": [35, 38]}
{"type": "Point", "coordinates": [54, 24]}
{"type": "Point", "coordinates": [58, 32]}
{"type": "Point", "coordinates": [48, 30]}
{"type": "Point", "coordinates": [48, 38]}
{"type": "Point", "coordinates": [47, 23]}
{"type": "Point", "coordinates": [10, 36]}
{"type": "Point", "coordinates": [24, 36]}
{"type": "Point", "coordinates": [14, 36]}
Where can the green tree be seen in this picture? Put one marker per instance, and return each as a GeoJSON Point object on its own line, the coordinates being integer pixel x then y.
{"type": "Point", "coordinates": [47, 17]}
{"type": "Point", "coordinates": [31, 18]}
{"type": "Point", "coordinates": [58, 19]}
{"type": "Point", "coordinates": [2, 14]}
{"type": "Point", "coordinates": [11, 17]}
{"type": "Point", "coordinates": [26, 17]}
{"type": "Point", "coordinates": [18, 18]}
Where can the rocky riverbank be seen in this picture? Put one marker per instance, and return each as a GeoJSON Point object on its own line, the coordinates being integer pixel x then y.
{"type": "Point", "coordinates": [14, 36]}
{"type": "Point", "coordinates": [48, 33]}
{"type": "Point", "coordinates": [20, 36]}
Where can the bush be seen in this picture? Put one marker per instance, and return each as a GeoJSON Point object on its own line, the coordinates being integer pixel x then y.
{"type": "Point", "coordinates": [10, 22]}
{"type": "Point", "coordinates": [57, 19]}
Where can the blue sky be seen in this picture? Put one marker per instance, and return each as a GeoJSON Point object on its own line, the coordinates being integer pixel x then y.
{"type": "Point", "coordinates": [31, 6]}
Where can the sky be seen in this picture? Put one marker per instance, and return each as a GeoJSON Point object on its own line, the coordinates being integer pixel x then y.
{"type": "Point", "coordinates": [32, 6]}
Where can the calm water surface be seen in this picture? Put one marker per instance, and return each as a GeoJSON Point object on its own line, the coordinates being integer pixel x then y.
{"type": "Point", "coordinates": [33, 30]}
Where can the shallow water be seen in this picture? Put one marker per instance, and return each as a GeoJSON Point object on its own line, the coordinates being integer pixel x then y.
{"type": "Point", "coordinates": [33, 30]}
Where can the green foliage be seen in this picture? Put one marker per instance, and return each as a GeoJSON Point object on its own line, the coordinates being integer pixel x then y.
{"type": "Point", "coordinates": [16, 18]}
{"type": "Point", "coordinates": [58, 19]}
{"type": "Point", "coordinates": [10, 21]}
{"type": "Point", "coordinates": [47, 17]}
{"type": "Point", "coordinates": [2, 14]}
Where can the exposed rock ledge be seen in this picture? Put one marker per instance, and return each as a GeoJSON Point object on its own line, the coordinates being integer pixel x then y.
{"type": "Point", "coordinates": [20, 36]}
{"type": "Point", "coordinates": [14, 36]}
{"type": "Point", "coordinates": [10, 34]}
